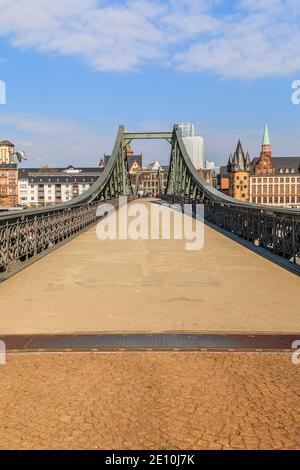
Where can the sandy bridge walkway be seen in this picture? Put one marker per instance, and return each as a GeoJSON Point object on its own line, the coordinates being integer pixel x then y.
{"type": "Point", "coordinates": [89, 285]}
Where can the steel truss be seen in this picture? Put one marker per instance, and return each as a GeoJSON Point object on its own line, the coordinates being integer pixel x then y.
{"type": "Point", "coordinates": [28, 233]}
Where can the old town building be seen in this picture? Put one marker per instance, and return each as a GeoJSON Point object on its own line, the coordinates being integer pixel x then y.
{"type": "Point", "coordinates": [274, 180]}
{"type": "Point", "coordinates": [8, 176]}
{"type": "Point", "coordinates": [238, 169]}
{"type": "Point", "coordinates": [147, 179]}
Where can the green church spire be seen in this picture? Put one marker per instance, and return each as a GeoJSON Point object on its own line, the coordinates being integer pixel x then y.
{"type": "Point", "coordinates": [266, 138]}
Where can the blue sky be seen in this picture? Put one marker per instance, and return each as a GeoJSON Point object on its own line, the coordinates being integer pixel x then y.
{"type": "Point", "coordinates": [76, 69]}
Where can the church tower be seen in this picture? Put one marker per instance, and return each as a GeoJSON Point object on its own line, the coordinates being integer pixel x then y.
{"type": "Point", "coordinates": [265, 164]}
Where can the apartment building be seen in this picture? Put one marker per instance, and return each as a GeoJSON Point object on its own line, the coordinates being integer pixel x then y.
{"type": "Point", "coordinates": [45, 186]}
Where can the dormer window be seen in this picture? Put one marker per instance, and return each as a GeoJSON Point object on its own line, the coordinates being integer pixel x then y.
{"type": "Point", "coordinates": [287, 170]}
{"type": "Point", "coordinates": [293, 170]}
{"type": "Point", "coordinates": [281, 170]}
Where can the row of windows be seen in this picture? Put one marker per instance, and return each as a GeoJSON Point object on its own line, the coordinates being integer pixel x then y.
{"type": "Point", "coordinates": [50, 186]}
{"type": "Point", "coordinates": [281, 170]}
{"type": "Point", "coordinates": [75, 180]}
{"type": "Point", "coordinates": [275, 180]}
{"type": "Point", "coordinates": [276, 200]}
{"type": "Point", "coordinates": [49, 198]}
{"type": "Point", "coordinates": [265, 171]}
{"type": "Point", "coordinates": [276, 189]}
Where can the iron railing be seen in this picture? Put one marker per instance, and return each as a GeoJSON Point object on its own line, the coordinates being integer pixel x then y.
{"type": "Point", "coordinates": [23, 237]}
{"type": "Point", "coordinates": [273, 230]}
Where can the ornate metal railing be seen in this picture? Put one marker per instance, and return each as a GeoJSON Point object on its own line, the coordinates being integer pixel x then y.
{"type": "Point", "coordinates": [23, 237]}
{"type": "Point", "coordinates": [275, 231]}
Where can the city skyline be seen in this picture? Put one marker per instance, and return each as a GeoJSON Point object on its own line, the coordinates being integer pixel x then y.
{"type": "Point", "coordinates": [69, 87]}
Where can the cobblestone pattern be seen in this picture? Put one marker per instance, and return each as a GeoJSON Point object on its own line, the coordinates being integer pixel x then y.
{"type": "Point", "coordinates": [148, 400]}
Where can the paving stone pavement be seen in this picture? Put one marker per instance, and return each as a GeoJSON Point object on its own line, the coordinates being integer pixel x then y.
{"type": "Point", "coordinates": [149, 400]}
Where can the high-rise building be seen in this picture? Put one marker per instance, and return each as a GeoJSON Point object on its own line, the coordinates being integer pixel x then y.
{"type": "Point", "coordinates": [194, 145]}
{"type": "Point", "coordinates": [187, 129]}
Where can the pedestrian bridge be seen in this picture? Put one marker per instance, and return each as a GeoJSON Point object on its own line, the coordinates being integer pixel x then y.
{"type": "Point", "coordinates": [90, 285]}
{"type": "Point", "coordinates": [86, 284]}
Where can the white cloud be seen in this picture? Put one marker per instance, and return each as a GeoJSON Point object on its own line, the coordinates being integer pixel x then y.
{"type": "Point", "coordinates": [248, 39]}
{"type": "Point", "coordinates": [259, 40]}
{"type": "Point", "coordinates": [55, 141]}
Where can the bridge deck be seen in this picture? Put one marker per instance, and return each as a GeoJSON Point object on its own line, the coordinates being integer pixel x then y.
{"type": "Point", "coordinates": [89, 285]}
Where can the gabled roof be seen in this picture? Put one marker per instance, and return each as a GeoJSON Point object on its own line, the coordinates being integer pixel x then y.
{"type": "Point", "coordinates": [285, 163]}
